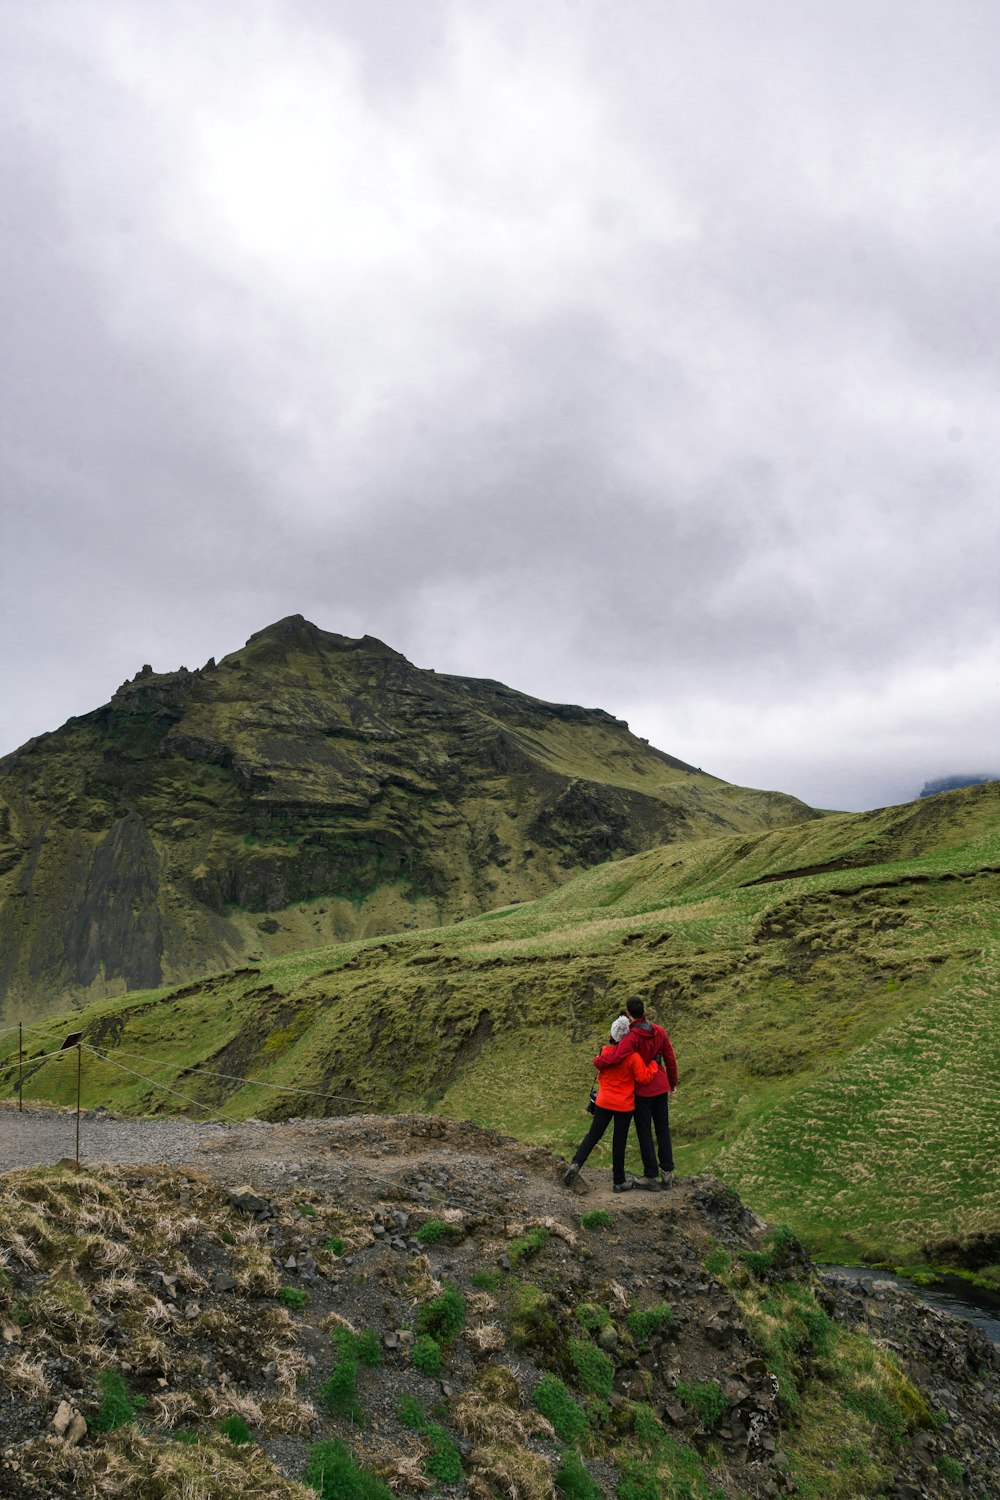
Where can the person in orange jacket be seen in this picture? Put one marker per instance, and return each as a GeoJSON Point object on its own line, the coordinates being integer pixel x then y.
{"type": "Point", "coordinates": [615, 1101]}
{"type": "Point", "coordinates": [652, 1108]}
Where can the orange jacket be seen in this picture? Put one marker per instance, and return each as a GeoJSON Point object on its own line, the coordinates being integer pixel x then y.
{"type": "Point", "coordinates": [617, 1083]}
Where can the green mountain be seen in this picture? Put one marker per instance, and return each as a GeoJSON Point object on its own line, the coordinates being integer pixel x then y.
{"type": "Point", "coordinates": [308, 789]}
{"type": "Point", "coordinates": [831, 990]}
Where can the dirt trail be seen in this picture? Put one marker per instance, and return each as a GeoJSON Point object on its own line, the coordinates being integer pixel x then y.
{"type": "Point", "coordinates": [371, 1156]}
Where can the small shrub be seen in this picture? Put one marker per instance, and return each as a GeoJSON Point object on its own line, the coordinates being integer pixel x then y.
{"type": "Point", "coordinates": [594, 1371]}
{"type": "Point", "coordinates": [236, 1430]}
{"type": "Point", "coordinates": [706, 1400]}
{"type": "Point", "coordinates": [559, 1407]}
{"type": "Point", "coordinates": [426, 1355]}
{"type": "Point", "coordinates": [527, 1245]}
{"type": "Point", "coordinates": [339, 1392]}
{"type": "Point", "coordinates": [643, 1323]}
{"type": "Point", "coordinates": [368, 1347]}
{"type": "Point", "coordinates": [592, 1317]}
{"type": "Point", "coordinates": [293, 1296]}
{"type": "Point", "coordinates": [118, 1406]}
{"type": "Point", "coordinates": [572, 1479]}
{"type": "Point", "coordinates": [443, 1316]}
{"type": "Point", "coordinates": [486, 1281]}
{"type": "Point", "coordinates": [533, 1318]}
{"type": "Point", "coordinates": [950, 1468]}
{"type": "Point", "coordinates": [335, 1245]}
{"type": "Point", "coordinates": [596, 1218]}
{"type": "Point", "coordinates": [444, 1461]}
{"type": "Point", "coordinates": [436, 1229]}
{"type": "Point", "coordinates": [410, 1413]}
{"type": "Point", "coordinates": [332, 1472]}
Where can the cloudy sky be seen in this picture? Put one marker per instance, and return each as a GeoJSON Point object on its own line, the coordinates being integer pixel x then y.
{"type": "Point", "coordinates": [639, 353]}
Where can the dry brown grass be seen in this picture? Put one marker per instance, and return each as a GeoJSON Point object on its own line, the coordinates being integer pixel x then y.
{"type": "Point", "coordinates": [128, 1466]}
{"type": "Point", "coordinates": [513, 1473]}
{"type": "Point", "coordinates": [25, 1376]}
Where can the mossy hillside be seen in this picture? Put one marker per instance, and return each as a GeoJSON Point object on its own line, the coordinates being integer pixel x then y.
{"type": "Point", "coordinates": [835, 1030]}
{"type": "Point", "coordinates": [308, 789]}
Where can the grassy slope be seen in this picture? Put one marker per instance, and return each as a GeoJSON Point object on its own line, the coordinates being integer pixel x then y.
{"type": "Point", "coordinates": [836, 1031]}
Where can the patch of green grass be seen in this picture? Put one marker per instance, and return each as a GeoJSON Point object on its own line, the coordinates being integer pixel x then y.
{"type": "Point", "coordinates": [644, 1322]}
{"type": "Point", "coordinates": [525, 1246]}
{"type": "Point", "coordinates": [410, 1413]}
{"type": "Point", "coordinates": [595, 1372]}
{"type": "Point", "coordinates": [591, 1316]}
{"type": "Point", "coordinates": [437, 1229]}
{"type": "Point", "coordinates": [950, 1468]}
{"type": "Point", "coordinates": [776, 1256]}
{"type": "Point", "coordinates": [443, 1316]}
{"type": "Point", "coordinates": [236, 1430]}
{"type": "Point", "coordinates": [333, 1473]}
{"type": "Point", "coordinates": [717, 1261]}
{"type": "Point", "coordinates": [705, 1400]}
{"type": "Point", "coordinates": [118, 1407]}
{"type": "Point", "coordinates": [339, 1392]}
{"type": "Point", "coordinates": [486, 1281]}
{"type": "Point", "coordinates": [425, 1355]}
{"type": "Point", "coordinates": [294, 1297]}
{"type": "Point", "coordinates": [307, 1210]}
{"type": "Point", "coordinates": [596, 1218]}
{"type": "Point", "coordinates": [368, 1347]}
{"type": "Point", "coordinates": [335, 1245]}
{"type": "Point", "coordinates": [560, 1407]}
{"type": "Point", "coordinates": [572, 1480]}
{"type": "Point", "coordinates": [533, 1319]}
{"type": "Point", "coordinates": [443, 1461]}
{"type": "Point", "coordinates": [665, 1470]}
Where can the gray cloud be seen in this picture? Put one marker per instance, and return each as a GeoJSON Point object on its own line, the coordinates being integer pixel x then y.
{"type": "Point", "coordinates": [641, 356]}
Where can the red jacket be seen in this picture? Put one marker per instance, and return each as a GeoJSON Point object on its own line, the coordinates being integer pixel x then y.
{"type": "Point", "coordinates": [652, 1044]}
{"type": "Point", "coordinates": [619, 1082]}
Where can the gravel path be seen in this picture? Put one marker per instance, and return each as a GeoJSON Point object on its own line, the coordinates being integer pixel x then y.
{"type": "Point", "coordinates": [40, 1137]}
{"type": "Point", "coordinates": [366, 1155]}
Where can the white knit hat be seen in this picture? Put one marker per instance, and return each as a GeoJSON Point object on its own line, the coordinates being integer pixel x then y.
{"type": "Point", "coordinates": [620, 1028]}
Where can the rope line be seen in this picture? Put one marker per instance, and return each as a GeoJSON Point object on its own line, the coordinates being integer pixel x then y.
{"type": "Point", "coordinates": [30, 1061]}
{"type": "Point", "coordinates": [257, 1083]}
{"type": "Point", "coordinates": [39, 1026]}
{"type": "Point", "coordinates": [152, 1081]}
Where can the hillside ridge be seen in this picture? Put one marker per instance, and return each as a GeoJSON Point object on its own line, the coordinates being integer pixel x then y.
{"type": "Point", "coordinates": [307, 788]}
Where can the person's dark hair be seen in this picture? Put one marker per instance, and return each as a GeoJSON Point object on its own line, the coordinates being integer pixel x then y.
{"type": "Point", "coordinates": [635, 1007]}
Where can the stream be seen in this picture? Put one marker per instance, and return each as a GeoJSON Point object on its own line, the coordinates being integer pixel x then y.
{"type": "Point", "coordinates": [951, 1295]}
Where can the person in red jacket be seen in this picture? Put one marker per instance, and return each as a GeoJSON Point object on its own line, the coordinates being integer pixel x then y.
{"type": "Point", "coordinates": [652, 1111]}
{"type": "Point", "coordinates": [615, 1101]}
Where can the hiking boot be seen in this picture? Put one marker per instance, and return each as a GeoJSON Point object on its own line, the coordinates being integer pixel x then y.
{"type": "Point", "coordinates": [623, 1187]}
{"type": "Point", "coordinates": [570, 1175]}
{"type": "Point", "coordinates": [667, 1178]}
{"type": "Point", "coordinates": [651, 1184]}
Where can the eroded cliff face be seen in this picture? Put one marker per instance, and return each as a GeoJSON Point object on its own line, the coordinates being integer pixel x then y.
{"type": "Point", "coordinates": [307, 789]}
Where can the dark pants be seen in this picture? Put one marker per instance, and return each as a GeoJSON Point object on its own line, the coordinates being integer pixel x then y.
{"type": "Point", "coordinates": [653, 1113]}
{"type": "Point", "coordinates": [602, 1119]}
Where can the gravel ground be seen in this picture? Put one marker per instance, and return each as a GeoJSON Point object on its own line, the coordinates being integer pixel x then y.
{"type": "Point", "coordinates": [40, 1137]}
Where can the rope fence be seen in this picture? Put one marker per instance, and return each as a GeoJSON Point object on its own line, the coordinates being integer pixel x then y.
{"type": "Point", "coordinates": [74, 1044]}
